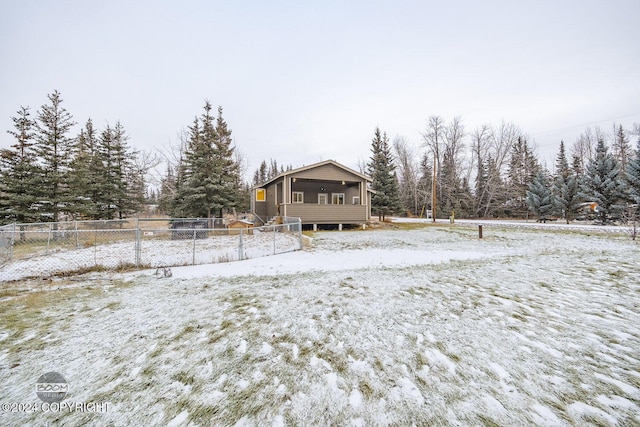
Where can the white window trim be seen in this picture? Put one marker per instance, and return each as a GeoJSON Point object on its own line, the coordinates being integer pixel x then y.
{"type": "Point", "coordinates": [326, 198]}
{"type": "Point", "coordinates": [294, 194]}
{"type": "Point", "coordinates": [356, 198]}
{"type": "Point", "coordinates": [337, 194]}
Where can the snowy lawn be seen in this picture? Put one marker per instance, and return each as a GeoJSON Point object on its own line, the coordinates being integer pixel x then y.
{"type": "Point", "coordinates": [154, 252]}
{"type": "Point", "coordinates": [416, 325]}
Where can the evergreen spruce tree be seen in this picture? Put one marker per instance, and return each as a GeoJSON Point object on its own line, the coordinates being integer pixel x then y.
{"type": "Point", "coordinates": [602, 182]}
{"type": "Point", "coordinates": [449, 185]}
{"type": "Point", "coordinates": [480, 191]}
{"type": "Point", "coordinates": [230, 183]}
{"type": "Point", "coordinates": [260, 175]}
{"type": "Point", "coordinates": [18, 173]}
{"type": "Point", "coordinates": [633, 177]}
{"type": "Point", "coordinates": [117, 198]}
{"type": "Point", "coordinates": [621, 148]}
{"type": "Point", "coordinates": [203, 170]}
{"type": "Point", "coordinates": [208, 181]}
{"type": "Point", "coordinates": [539, 196]}
{"type": "Point", "coordinates": [425, 184]}
{"type": "Point", "coordinates": [193, 176]}
{"type": "Point", "coordinates": [386, 199]}
{"type": "Point", "coordinates": [177, 205]}
{"type": "Point", "coordinates": [88, 174]}
{"type": "Point", "coordinates": [494, 196]}
{"type": "Point", "coordinates": [565, 188]}
{"type": "Point", "coordinates": [273, 169]}
{"type": "Point", "coordinates": [138, 194]}
{"type": "Point", "coordinates": [523, 167]}
{"type": "Point", "coordinates": [53, 150]}
{"type": "Point", "coordinates": [464, 199]}
{"type": "Point", "coordinates": [111, 193]}
{"type": "Point", "coordinates": [129, 188]}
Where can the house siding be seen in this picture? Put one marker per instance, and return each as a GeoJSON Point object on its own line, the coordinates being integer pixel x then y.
{"type": "Point", "coordinates": [312, 189]}
{"type": "Point", "coordinates": [260, 209]}
{"type": "Point", "coordinates": [327, 172]}
{"type": "Point", "coordinates": [325, 178]}
{"type": "Point", "coordinates": [328, 214]}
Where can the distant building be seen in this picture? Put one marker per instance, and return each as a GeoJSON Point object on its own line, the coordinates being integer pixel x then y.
{"type": "Point", "coordinates": [322, 193]}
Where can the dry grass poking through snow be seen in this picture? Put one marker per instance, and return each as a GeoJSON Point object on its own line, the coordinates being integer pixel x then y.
{"type": "Point", "coordinates": [542, 329]}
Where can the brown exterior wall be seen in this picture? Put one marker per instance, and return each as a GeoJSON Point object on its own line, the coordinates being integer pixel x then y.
{"type": "Point", "coordinates": [312, 189]}
{"type": "Point", "coordinates": [326, 178]}
{"type": "Point", "coordinates": [328, 214]}
{"type": "Point", "coordinates": [327, 172]}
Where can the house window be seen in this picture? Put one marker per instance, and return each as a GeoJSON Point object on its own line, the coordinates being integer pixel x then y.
{"type": "Point", "coordinates": [261, 195]}
{"type": "Point", "coordinates": [337, 198]}
{"type": "Point", "coordinates": [298, 197]}
{"type": "Point", "coordinates": [323, 199]}
{"type": "Point", "coordinates": [356, 200]}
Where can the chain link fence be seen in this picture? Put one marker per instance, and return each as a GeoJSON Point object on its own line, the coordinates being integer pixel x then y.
{"type": "Point", "coordinates": [46, 249]}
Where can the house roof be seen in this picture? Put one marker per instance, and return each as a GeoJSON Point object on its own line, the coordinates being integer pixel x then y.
{"type": "Point", "coordinates": [313, 166]}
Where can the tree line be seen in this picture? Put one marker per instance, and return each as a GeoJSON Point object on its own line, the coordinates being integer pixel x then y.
{"type": "Point", "coordinates": [494, 171]}
{"type": "Point", "coordinates": [49, 174]}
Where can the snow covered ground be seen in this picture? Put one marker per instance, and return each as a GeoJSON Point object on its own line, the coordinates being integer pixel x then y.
{"type": "Point", "coordinates": [422, 325]}
{"type": "Point", "coordinates": [154, 252]}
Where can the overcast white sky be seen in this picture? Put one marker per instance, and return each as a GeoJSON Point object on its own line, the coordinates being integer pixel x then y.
{"type": "Point", "coordinates": [304, 81]}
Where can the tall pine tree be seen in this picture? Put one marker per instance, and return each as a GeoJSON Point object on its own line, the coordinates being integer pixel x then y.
{"type": "Point", "coordinates": [621, 149]}
{"type": "Point", "coordinates": [381, 168]}
{"type": "Point", "coordinates": [229, 184]}
{"type": "Point", "coordinates": [260, 175]}
{"type": "Point", "coordinates": [425, 184]}
{"type": "Point", "coordinates": [53, 148]}
{"type": "Point", "coordinates": [539, 196]}
{"type": "Point", "coordinates": [565, 188]}
{"type": "Point", "coordinates": [208, 179]}
{"type": "Point", "coordinates": [88, 174]}
{"type": "Point", "coordinates": [602, 182]}
{"type": "Point", "coordinates": [112, 202]}
{"type": "Point", "coordinates": [198, 171]}
{"type": "Point", "coordinates": [523, 167]}
{"type": "Point", "coordinates": [18, 172]}
{"type": "Point", "coordinates": [633, 177]}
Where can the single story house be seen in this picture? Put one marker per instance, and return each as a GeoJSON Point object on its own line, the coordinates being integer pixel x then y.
{"type": "Point", "coordinates": [322, 193]}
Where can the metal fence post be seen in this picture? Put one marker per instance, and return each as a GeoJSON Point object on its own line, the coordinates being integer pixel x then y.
{"type": "Point", "coordinates": [240, 247]}
{"type": "Point", "coordinates": [95, 244]}
{"type": "Point", "coordinates": [49, 237]}
{"type": "Point", "coordinates": [300, 232]}
{"type": "Point", "coordinates": [274, 239]}
{"type": "Point", "coordinates": [12, 241]}
{"type": "Point", "coordinates": [138, 247]}
{"type": "Point", "coordinates": [77, 239]}
{"type": "Point", "coordinates": [194, 247]}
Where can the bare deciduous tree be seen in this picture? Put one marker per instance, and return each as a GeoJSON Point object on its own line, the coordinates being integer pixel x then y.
{"type": "Point", "coordinates": [621, 149]}
{"type": "Point", "coordinates": [502, 139]}
{"type": "Point", "coordinates": [584, 148]}
{"type": "Point", "coordinates": [407, 167]}
{"type": "Point", "coordinates": [434, 138]}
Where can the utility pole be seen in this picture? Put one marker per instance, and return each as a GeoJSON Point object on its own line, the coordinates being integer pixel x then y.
{"type": "Point", "coordinates": [433, 188]}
